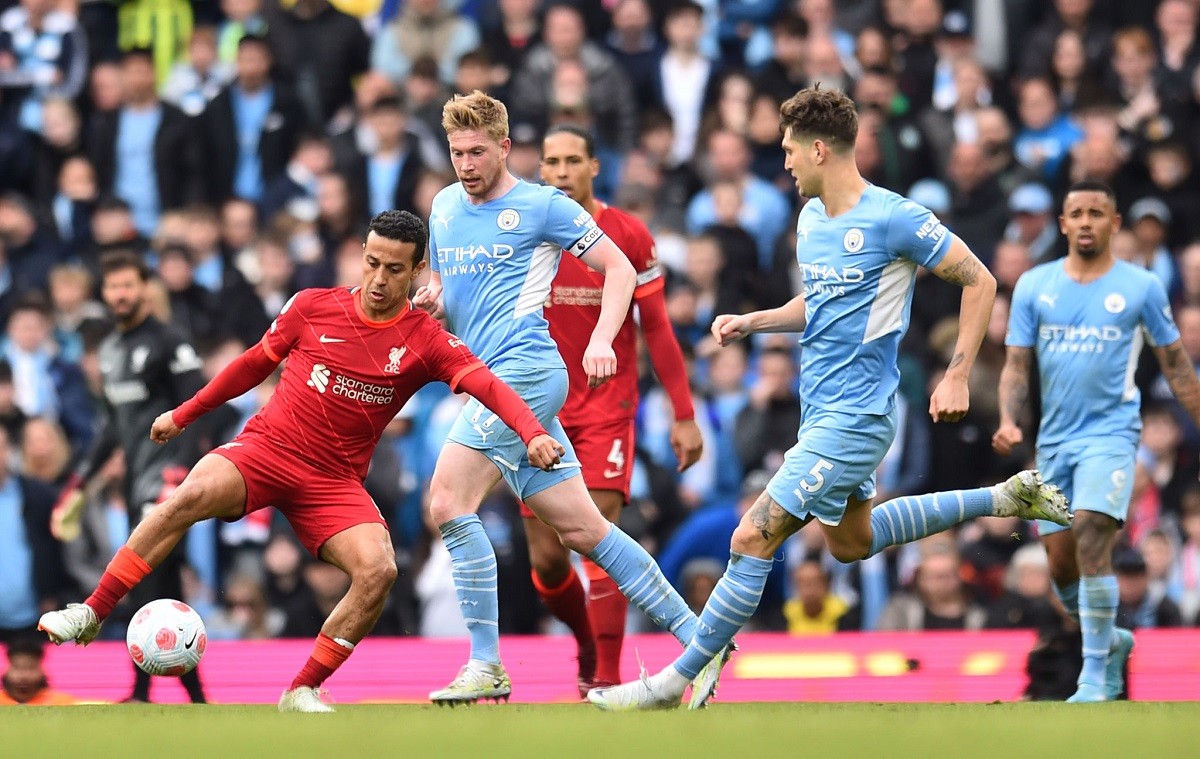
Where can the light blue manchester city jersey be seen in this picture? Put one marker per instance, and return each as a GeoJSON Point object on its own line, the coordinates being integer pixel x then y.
{"type": "Point", "coordinates": [1088, 338]}
{"type": "Point", "coordinates": [497, 261]}
{"type": "Point", "coordinates": [858, 273]}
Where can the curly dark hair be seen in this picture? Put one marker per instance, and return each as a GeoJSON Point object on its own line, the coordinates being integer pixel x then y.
{"type": "Point", "coordinates": [402, 226]}
{"type": "Point", "coordinates": [827, 115]}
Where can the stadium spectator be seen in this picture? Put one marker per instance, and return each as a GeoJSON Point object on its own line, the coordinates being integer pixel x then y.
{"type": "Point", "coordinates": [145, 151]}
{"type": "Point", "coordinates": [386, 175]}
{"type": "Point", "coordinates": [25, 682]}
{"type": "Point", "coordinates": [939, 601]}
{"type": "Point", "coordinates": [814, 610]}
{"type": "Point", "coordinates": [766, 427]}
{"type": "Point", "coordinates": [45, 384]}
{"type": "Point", "coordinates": [61, 138]}
{"type": "Point", "coordinates": [43, 55]}
{"type": "Point", "coordinates": [32, 575]}
{"type": "Point", "coordinates": [1138, 608]}
{"type": "Point", "coordinates": [1025, 602]}
{"type": "Point", "coordinates": [318, 51]}
{"type": "Point", "coordinates": [1077, 15]}
{"type": "Point", "coordinates": [30, 249]}
{"type": "Point", "coordinates": [251, 128]}
{"type": "Point", "coordinates": [192, 84]}
{"type": "Point", "coordinates": [423, 27]}
{"type": "Point", "coordinates": [610, 101]}
{"type": "Point", "coordinates": [1033, 223]}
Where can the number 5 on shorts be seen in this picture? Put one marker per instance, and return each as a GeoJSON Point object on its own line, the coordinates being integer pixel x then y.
{"type": "Point", "coordinates": [817, 473]}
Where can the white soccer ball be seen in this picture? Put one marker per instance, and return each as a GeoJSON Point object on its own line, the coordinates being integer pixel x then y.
{"type": "Point", "coordinates": [166, 637]}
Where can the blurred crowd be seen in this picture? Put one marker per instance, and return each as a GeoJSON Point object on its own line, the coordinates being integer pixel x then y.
{"type": "Point", "coordinates": [242, 145]}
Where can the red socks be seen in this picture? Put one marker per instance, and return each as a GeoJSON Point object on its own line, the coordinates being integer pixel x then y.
{"type": "Point", "coordinates": [568, 602]}
{"type": "Point", "coordinates": [124, 571]}
{"type": "Point", "coordinates": [606, 607]}
{"type": "Point", "coordinates": [326, 657]}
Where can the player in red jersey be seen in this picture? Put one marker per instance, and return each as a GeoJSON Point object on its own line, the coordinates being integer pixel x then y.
{"type": "Point", "coordinates": [600, 421]}
{"type": "Point", "coordinates": [354, 358]}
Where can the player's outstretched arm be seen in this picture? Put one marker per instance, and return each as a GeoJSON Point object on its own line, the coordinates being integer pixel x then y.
{"type": "Point", "coordinates": [667, 359]}
{"type": "Point", "coordinates": [599, 360]}
{"type": "Point", "coordinates": [790, 317]}
{"type": "Point", "coordinates": [951, 399]}
{"type": "Point", "coordinates": [1014, 392]}
{"type": "Point", "coordinates": [503, 401]}
{"type": "Point", "coordinates": [243, 374]}
{"type": "Point", "coordinates": [1181, 376]}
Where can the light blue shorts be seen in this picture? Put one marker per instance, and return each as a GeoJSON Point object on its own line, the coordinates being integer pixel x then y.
{"type": "Point", "coordinates": [835, 457]}
{"type": "Point", "coordinates": [1094, 475]}
{"type": "Point", "coordinates": [544, 390]}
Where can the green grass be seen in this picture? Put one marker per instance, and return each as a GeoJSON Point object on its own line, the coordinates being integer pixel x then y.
{"type": "Point", "coordinates": [737, 731]}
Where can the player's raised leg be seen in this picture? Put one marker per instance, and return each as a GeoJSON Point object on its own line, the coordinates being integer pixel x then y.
{"type": "Point", "coordinates": [365, 553]}
{"type": "Point", "coordinates": [214, 488]}
{"type": "Point", "coordinates": [836, 489]}
{"type": "Point", "coordinates": [462, 478]}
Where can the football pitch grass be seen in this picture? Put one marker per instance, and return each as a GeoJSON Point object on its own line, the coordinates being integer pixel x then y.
{"type": "Point", "coordinates": [737, 731]}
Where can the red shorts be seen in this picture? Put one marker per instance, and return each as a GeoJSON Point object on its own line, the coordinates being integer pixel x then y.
{"type": "Point", "coordinates": [317, 504]}
{"type": "Point", "coordinates": [605, 452]}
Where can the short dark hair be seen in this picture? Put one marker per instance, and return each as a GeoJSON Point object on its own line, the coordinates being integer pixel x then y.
{"type": "Point", "coordinates": [34, 302]}
{"type": "Point", "coordinates": [402, 226]}
{"type": "Point", "coordinates": [256, 40]}
{"type": "Point", "coordinates": [1092, 185]}
{"type": "Point", "coordinates": [25, 645]}
{"type": "Point", "coordinates": [589, 141]}
{"type": "Point", "coordinates": [389, 102]}
{"type": "Point", "coordinates": [122, 260]}
{"type": "Point", "coordinates": [790, 25]}
{"type": "Point", "coordinates": [112, 203]}
{"type": "Point", "coordinates": [134, 53]}
{"type": "Point", "coordinates": [684, 6]}
{"type": "Point", "coordinates": [828, 115]}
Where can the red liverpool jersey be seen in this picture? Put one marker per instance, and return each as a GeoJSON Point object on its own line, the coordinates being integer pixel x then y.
{"type": "Point", "coordinates": [574, 308]}
{"type": "Point", "coordinates": [346, 377]}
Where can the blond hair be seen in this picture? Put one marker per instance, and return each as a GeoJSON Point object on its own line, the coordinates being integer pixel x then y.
{"type": "Point", "coordinates": [477, 111]}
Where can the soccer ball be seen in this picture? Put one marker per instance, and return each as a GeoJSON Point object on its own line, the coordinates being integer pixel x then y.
{"type": "Point", "coordinates": [166, 637]}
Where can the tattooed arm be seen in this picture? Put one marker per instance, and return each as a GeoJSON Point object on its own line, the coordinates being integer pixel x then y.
{"type": "Point", "coordinates": [960, 267]}
{"type": "Point", "coordinates": [1014, 392]}
{"type": "Point", "coordinates": [1181, 376]}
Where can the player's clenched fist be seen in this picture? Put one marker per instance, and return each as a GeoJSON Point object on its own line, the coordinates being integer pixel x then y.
{"type": "Point", "coordinates": [164, 428]}
{"type": "Point", "coordinates": [728, 328]}
{"type": "Point", "coordinates": [599, 362]}
{"type": "Point", "coordinates": [429, 298]}
{"type": "Point", "coordinates": [1009, 436]}
{"type": "Point", "coordinates": [545, 452]}
{"type": "Point", "coordinates": [950, 400]}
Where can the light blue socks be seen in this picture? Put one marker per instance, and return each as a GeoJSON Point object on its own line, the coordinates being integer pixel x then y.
{"type": "Point", "coordinates": [1097, 619]}
{"type": "Point", "coordinates": [733, 601]}
{"type": "Point", "coordinates": [474, 573]}
{"type": "Point", "coordinates": [910, 518]}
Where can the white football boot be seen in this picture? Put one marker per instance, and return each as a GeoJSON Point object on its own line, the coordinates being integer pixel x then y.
{"type": "Point", "coordinates": [476, 680]}
{"type": "Point", "coordinates": [77, 622]}
{"type": "Point", "coordinates": [304, 699]}
{"type": "Point", "coordinates": [1025, 495]}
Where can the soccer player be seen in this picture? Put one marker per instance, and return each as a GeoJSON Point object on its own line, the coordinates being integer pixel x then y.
{"type": "Point", "coordinates": [858, 247]}
{"type": "Point", "coordinates": [599, 421]}
{"type": "Point", "coordinates": [1085, 318]}
{"type": "Point", "coordinates": [354, 357]}
{"type": "Point", "coordinates": [148, 368]}
{"type": "Point", "coordinates": [495, 244]}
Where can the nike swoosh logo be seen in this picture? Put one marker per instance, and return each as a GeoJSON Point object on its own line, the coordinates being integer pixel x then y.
{"type": "Point", "coordinates": [191, 642]}
{"type": "Point", "coordinates": [324, 339]}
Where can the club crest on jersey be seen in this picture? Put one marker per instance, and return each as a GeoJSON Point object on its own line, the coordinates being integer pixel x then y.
{"type": "Point", "coordinates": [508, 219]}
{"type": "Point", "coordinates": [853, 241]}
{"type": "Point", "coordinates": [137, 358]}
{"type": "Point", "coordinates": [1114, 303]}
{"type": "Point", "coordinates": [394, 356]}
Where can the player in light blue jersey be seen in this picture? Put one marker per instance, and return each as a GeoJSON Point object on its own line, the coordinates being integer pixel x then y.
{"type": "Point", "coordinates": [858, 247]}
{"type": "Point", "coordinates": [1086, 318]}
{"type": "Point", "coordinates": [495, 243]}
